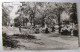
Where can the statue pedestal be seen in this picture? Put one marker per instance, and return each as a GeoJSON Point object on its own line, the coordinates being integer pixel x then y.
{"type": "Point", "coordinates": [71, 33]}
{"type": "Point", "coordinates": [37, 29]}
{"type": "Point", "coordinates": [56, 29]}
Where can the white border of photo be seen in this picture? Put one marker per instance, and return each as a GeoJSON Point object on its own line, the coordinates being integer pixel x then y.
{"type": "Point", "coordinates": [78, 11]}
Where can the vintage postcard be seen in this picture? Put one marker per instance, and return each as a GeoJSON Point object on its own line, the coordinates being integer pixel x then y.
{"type": "Point", "coordinates": [40, 26]}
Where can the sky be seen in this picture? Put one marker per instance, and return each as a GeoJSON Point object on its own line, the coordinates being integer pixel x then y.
{"type": "Point", "coordinates": [13, 9]}
{"type": "Point", "coordinates": [13, 14]}
{"type": "Point", "coordinates": [65, 16]}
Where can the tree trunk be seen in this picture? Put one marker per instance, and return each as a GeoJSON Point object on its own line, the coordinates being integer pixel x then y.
{"type": "Point", "coordinates": [59, 21]}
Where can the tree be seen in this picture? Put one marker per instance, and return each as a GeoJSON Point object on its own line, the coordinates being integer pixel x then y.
{"type": "Point", "coordinates": [5, 16]}
{"type": "Point", "coordinates": [60, 8]}
{"type": "Point", "coordinates": [74, 14]}
{"type": "Point", "coordinates": [46, 10]}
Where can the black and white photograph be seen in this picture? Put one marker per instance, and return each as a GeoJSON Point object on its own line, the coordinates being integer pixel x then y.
{"type": "Point", "coordinates": [40, 26]}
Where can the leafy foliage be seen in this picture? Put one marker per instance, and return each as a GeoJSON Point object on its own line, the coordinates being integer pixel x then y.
{"type": "Point", "coordinates": [5, 15]}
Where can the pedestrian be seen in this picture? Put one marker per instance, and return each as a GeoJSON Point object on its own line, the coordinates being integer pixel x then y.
{"type": "Point", "coordinates": [20, 28]}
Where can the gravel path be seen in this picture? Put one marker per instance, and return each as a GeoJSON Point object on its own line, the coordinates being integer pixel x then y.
{"type": "Point", "coordinates": [42, 41]}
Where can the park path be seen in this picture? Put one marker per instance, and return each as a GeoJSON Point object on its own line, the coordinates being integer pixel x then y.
{"type": "Point", "coordinates": [44, 41]}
